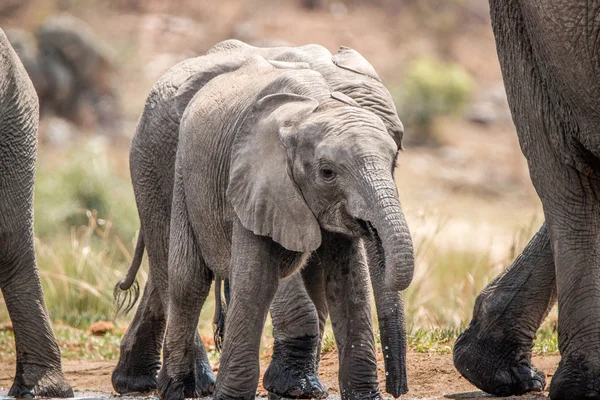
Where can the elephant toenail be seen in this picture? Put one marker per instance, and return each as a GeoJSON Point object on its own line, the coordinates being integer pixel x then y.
{"type": "Point", "coordinates": [537, 386]}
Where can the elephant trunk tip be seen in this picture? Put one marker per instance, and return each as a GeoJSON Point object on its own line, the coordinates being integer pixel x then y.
{"type": "Point", "coordinates": [399, 281]}
{"type": "Point", "coordinates": [397, 254]}
{"type": "Point", "coordinates": [400, 273]}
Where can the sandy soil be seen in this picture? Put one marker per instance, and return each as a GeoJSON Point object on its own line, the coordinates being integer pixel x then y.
{"type": "Point", "coordinates": [430, 376]}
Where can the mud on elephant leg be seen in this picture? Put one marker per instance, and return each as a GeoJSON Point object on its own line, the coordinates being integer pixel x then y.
{"type": "Point", "coordinates": [494, 352]}
{"type": "Point", "coordinates": [38, 370]}
{"type": "Point", "coordinates": [292, 372]}
{"type": "Point", "coordinates": [349, 304]}
{"type": "Point", "coordinates": [139, 359]}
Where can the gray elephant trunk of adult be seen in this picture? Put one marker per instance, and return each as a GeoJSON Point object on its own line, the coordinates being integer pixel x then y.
{"type": "Point", "coordinates": [392, 324]}
{"type": "Point", "coordinates": [381, 210]}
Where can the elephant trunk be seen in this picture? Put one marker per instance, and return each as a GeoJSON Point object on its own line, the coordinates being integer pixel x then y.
{"type": "Point", "coordinates": [380, 208]}
{"type": "Point", "coordinates": [390, 257]}
{"type": "Point", "coordinates": [392, 324]}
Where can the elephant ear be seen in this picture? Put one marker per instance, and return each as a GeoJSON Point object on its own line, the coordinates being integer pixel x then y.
{"type": "Point", "coordinates": [194, 83]}
{"type": "Point", "coordinates": [352, 60]}
{"type": "Point", "coordinates": [261, 189]}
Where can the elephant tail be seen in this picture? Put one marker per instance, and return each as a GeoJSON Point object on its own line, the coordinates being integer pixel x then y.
{"type": "Point", "coordinates": [220, 313]}
{"type": "Point", "coordinates": [127, 291]}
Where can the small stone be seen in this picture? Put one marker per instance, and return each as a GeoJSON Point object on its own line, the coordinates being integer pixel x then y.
{"type": "Point", "coordinates": [101, 328]}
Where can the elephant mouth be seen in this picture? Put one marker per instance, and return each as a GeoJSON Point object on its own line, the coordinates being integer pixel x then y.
{"type": "Point", "coordinates": [371, 233]}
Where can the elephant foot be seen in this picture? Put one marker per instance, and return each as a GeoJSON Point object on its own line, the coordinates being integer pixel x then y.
{"type": "Point", "coordinates": [171, 388]}
{"type": "Point", "coordinates": [31, 381]}
{"type": "Point", "coordinates": [133, 380]}
{"type": "Point", "coordinates": [289, 382]}
{"type": "Point", "coordinates": [499, 367]}
{"type": "Point", "coordinates": [205, 378]}
{"type": "Point", "coordinates": [575, 379]}
{"type": "Point", "coordinates": [376, 396]}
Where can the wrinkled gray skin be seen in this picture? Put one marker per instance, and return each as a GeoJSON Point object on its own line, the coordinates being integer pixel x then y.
{"type": "Point", "coordinates": [152, 161]}
{"type": "Point", "coordinates": [272, 166]}
{"type": "Point", "coordinates": [549, 59]}
{"type": "Point", "coordinates": [38, 370]}
{"type": "Point", "coordinates": [71, 70]}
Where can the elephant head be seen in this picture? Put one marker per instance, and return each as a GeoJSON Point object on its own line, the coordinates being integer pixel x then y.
{"type": "Point", "coordinates": [301, 164]}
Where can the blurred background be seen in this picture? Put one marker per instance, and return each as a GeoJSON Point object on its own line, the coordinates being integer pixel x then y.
{"type": "Point", "coordinates": [462, 178]}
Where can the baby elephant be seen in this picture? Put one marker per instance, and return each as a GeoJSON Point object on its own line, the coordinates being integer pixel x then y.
{"type": "Point", "coordinates": [273, 169]}
{"type": "Point", "coordinates": [300, 307]}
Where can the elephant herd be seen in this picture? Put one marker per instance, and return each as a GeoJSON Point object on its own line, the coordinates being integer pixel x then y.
{"type": "Point", "coordinates": [272, 169]}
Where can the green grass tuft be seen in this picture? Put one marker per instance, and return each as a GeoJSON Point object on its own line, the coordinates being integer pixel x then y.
{"type": "Point", "coordinates": [328, 343]}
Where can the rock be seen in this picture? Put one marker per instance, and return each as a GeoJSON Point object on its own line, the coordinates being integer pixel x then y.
{"type": "Point", "coordinates": [101, 328]}
{"type": "Point", "coordinates": [490, 107]}
{"type": "Point", "coordinates": [483, 113]}
{"type": "Point", "coordinates": [72, 70]}
{"type": "Point", "coordinates": [89, 59]}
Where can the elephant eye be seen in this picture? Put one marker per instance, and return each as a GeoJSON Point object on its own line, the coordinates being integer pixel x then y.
{"type": "Point", "coordinates": [327, 173]}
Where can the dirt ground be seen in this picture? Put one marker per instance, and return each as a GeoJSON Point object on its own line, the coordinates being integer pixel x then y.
{"type": "Point", "coordinates": [430, 376]}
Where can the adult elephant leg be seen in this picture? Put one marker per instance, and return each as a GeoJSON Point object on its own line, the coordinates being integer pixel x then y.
{"type": "Point", "coordinates": [555, 109]}
{"type": "Point", "coordinates": [141, 346]}
{"type": "Point", "coordinates": [392, 324]}
{"type": "Point", "coordinates": [573, 214]}
{"type": "Point", "coordinates": [349, 304]}
{"type": "Point", "coordinates": [38, 357]}
{"type": "Point", "coordinates": [254, 278]}
{"type": "Point", "coordinates": [139, 359]}
{"type": "Point", "coordinates": [189, 285]}
{"type": "Point", "coordinates": [494, 352]}
{"type": "Point", "coordinates": [292, 372]}
{"type": "Point", "coordinates": [38, 370]}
